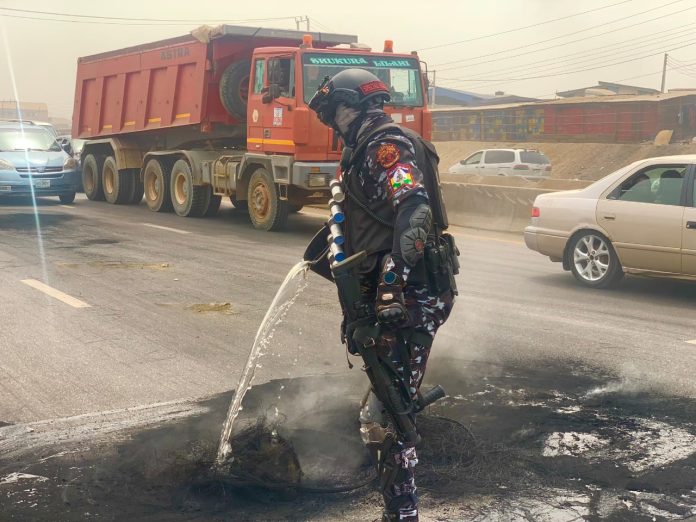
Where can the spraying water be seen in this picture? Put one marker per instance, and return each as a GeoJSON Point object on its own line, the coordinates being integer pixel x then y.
{"type": "Point", "coordinates": [293, 285]}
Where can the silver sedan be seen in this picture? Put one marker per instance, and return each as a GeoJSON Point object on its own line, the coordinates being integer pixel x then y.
{"type": "Point", "coordinates": [638, 220]}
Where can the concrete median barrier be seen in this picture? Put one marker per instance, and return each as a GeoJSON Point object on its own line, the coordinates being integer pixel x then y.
{"type": "Point", "coordinates": [490, 207]}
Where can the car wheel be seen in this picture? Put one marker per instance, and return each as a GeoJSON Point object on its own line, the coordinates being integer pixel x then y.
{"type": "Point", "coordinates": [66, 198]}
{"type": "Point", "coordinates": [593, 260]}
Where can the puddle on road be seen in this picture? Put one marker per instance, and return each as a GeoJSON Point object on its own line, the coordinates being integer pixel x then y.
{"type": "Point", "coordinates": [224, 308]}
{"type": "Point", "coordinates": [538, 446]}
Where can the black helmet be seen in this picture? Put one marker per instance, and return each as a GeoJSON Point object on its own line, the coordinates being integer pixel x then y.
{"type": "Point", "coordinates": [353, 87]}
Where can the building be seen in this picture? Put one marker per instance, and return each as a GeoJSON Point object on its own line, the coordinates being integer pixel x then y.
{"type": "Point", "coordinates": [29, 110]}
{"type": "Point", "coordinates": [610, 119]}
{"type": "Point", "coordinates": [455, 97]}
{"type": "Point", "coordinates": [606, 89]}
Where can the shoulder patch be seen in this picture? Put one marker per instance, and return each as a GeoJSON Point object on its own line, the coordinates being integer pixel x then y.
{"type": "Point", "coordinates": [400, 178]}
{"type": "Point", "coordinates": [387, 155]}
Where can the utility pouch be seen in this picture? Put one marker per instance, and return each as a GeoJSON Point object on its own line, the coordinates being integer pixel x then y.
{"type": "Point", "coordinates": [442, 264]}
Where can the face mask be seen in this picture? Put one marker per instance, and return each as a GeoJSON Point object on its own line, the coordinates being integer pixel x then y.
{"type": "Point", "coordinates": [344, 117]}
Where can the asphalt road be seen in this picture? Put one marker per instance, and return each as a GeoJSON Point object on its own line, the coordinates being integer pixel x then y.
{"type": "Point", "coordinates": [116, 318]}
{"type": "Point", "coordinates": [146, 336]}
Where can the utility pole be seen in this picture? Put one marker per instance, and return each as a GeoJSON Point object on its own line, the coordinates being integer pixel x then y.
{"type": "Point", "coordinates": [664, 74]}
{"type": "Point", "coordinates": [432, 99]}
{"type": "Point", "coordinates": [300, 19]}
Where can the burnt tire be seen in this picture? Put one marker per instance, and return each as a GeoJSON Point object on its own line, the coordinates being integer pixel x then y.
{"type": "Point", "coordinates": [156, 186]}
{"type": "Point", "coordinates": [593, 260]}
{"type": "Point", "coordinates": [66, 198]}
{"type": "Point", "coordinates": [234, 89]}
{"type": "Point", "coordinates": [91, 177]}
{"type": "Point", "coordinates": [117, 184]}
{"type": "Point", "coordinates": [188, 200]}
{"type": "Point", "coordinates": [266, 210]}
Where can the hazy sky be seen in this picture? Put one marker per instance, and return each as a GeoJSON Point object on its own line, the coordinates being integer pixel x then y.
{"type": "Point", "coordinates": [41, 53]}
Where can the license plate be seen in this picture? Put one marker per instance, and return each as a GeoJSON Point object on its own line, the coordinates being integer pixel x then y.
{"type": "Point", "coordinates": [5, 188]}
{"type": "Point", "coordinates": [43, 183]}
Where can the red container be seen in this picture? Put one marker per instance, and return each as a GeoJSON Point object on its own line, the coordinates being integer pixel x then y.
{"type": "Point", "coordinates": [170, 83]}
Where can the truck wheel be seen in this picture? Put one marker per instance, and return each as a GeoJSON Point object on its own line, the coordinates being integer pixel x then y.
{"type": "Point", "coordinates": [137, 188]}
{"type": "Point", "coordinates": [189, 200]}
{"type": "Point", "coordinates": [156, 186]}
{"type": "Point", "coordinates": [266, 210]}
{"type": "Point", "coordinates": [239, 204]}
{"type": "Point", "coordinates": [295, 208]}
{"type": "Point", "coordinates": [234, 89]}
{"type": "Point", "coordinates": [117, 184]}
{"type": "Point", "coordinates": [91, 177]}
{"type": "Point", "coordinates": [214, 204]}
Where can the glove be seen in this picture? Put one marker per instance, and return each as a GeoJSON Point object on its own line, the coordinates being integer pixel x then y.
{"type": "Point", "coordinates": [390, 307]}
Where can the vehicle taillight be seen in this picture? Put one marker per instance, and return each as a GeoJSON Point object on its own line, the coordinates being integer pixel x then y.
{"type": "Point", "coordinates": [536, 212]}
{"type": "Point", "coordinates": [520, 167]}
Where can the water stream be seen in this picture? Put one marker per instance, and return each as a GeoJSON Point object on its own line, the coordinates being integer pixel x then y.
{"type": "Point", "coordinates": [293, 285]}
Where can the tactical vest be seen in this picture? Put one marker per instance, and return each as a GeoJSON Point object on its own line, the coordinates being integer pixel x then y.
{"type": "Point", "coordinates": [369, 225]}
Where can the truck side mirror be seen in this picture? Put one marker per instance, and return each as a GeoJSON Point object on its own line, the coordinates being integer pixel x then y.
{"type": "Point", "coordinates": [271, 94]}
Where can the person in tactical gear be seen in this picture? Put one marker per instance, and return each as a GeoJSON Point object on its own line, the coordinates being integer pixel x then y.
{"type": "Point", "coordinates": [389, 215]}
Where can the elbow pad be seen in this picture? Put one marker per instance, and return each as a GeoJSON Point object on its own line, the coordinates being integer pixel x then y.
{"type": "Point", "coordinates": [413, 238]}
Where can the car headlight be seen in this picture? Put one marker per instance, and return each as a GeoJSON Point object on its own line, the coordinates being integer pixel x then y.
{"type": "Point", "coordinates": [6, 165]}
{"type": "Point", "coordinates": [70, 164]}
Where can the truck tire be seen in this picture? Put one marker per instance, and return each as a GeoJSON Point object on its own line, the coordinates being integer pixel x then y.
{"type": "Point", "coordinates": [137, 188]}
{"type": "Point", "coordinates": [156, 186]}
{"type": "Point", "coordinates": [240, 204]}
{"type": "Point", "coordinates": [117, 184]}
{"type": "Point", "coordinates": [266, 210]}
{"type": "Point", "coordinates": [91, 177]}
{"type": "Point", "coordinates": [188, 200]}
{"type": "Point", "coordinates": [234, 89]}
{"type": "Point", "coordinates": [295, 208]}
{"type": "Point", "coordinates": [213, 205]}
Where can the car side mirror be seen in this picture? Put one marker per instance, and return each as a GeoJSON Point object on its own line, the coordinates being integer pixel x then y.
{"type": "Point", "coordinates": [272, 93]}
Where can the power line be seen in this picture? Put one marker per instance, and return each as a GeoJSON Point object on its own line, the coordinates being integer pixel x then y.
{"type": "Point", "coordinates": [128, 19]}
{"type": "Point", "coordinates": [692, 42]}
{"type": "Point", "coordinates": [522, 28]}
{"type": "Point", "coordinates": [563, 36]}
{"type": "Point", "coordinates": [585, 58]}
{"type": "Point", "coordinates": [602, 50]}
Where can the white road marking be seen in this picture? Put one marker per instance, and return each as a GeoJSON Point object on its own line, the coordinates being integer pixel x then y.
{"type": "Point", "coordinates": [56, 294]}
{"type": "Point", "coordinates": [692, 341]}
{"type": "Point", "coordinates": [67, 206]}
{"type": "Point", "coordinates": [167, 228]}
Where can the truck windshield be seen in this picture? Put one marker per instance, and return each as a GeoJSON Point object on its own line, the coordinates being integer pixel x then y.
{"type": "Point", "coordinates": [402, 75]}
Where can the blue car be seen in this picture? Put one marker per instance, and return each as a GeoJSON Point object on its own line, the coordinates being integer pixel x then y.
{"type": "Point", "coordinates": [31, 157]}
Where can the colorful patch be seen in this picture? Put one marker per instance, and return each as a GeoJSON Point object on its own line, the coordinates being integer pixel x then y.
{"type": "Point", "coordinates": [370, 87]}
{"type": "Point", "coordinates": [400, 176]}
{"type": "Point", "coordinates": [387, 155]}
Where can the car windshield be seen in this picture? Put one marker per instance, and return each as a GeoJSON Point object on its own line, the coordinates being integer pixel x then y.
{"type": "Point", "coordinates": [27, 139]}
{"type": "Point", "coordinates": [534, 157]}
{"type": "Point", "coordinates": [402, 75]}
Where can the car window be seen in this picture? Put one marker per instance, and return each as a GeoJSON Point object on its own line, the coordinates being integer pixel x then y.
{"type": "Point", "coordinates": [659, 184]}
{"type": "Point", "coordinates": [499, 156]}
{"type": "Point", "coordinates": [474, 159]}
{"type": "Point", "coordinates": [27, 139]}
{"type": "Point", "coordinates": [259, 65]}
{"type": "Point", "coordinates": [534, 157]}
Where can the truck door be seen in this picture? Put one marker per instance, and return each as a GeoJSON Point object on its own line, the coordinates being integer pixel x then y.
{"type": "Point", "coordinates": [255, 109]}
{"type": "Point", "coordinates": [278, 128]}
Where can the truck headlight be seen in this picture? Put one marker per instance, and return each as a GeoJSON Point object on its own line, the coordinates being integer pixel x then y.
{"type": "Point", "coordinates": [318, 180]}
{"type": "Point", "coordinates": [6, 165]}
{"type": "Point", "coordinates": [70, 164]}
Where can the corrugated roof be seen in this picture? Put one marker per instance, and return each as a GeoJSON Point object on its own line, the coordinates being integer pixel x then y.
{"type": "Point", "coordinates": [619, 98]}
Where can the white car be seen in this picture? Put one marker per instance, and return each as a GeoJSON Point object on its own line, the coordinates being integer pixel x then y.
{"type": "Point", "coordinates": [505, 162]}
{"type": "Point", "coordinates": [640, 219]}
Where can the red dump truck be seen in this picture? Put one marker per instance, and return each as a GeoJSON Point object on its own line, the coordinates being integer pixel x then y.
{"type": "Point", "coordinates": [222, 112]}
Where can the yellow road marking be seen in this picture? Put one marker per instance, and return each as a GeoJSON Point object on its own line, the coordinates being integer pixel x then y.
{"type": "Point", "coordinates": [56, 294]}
